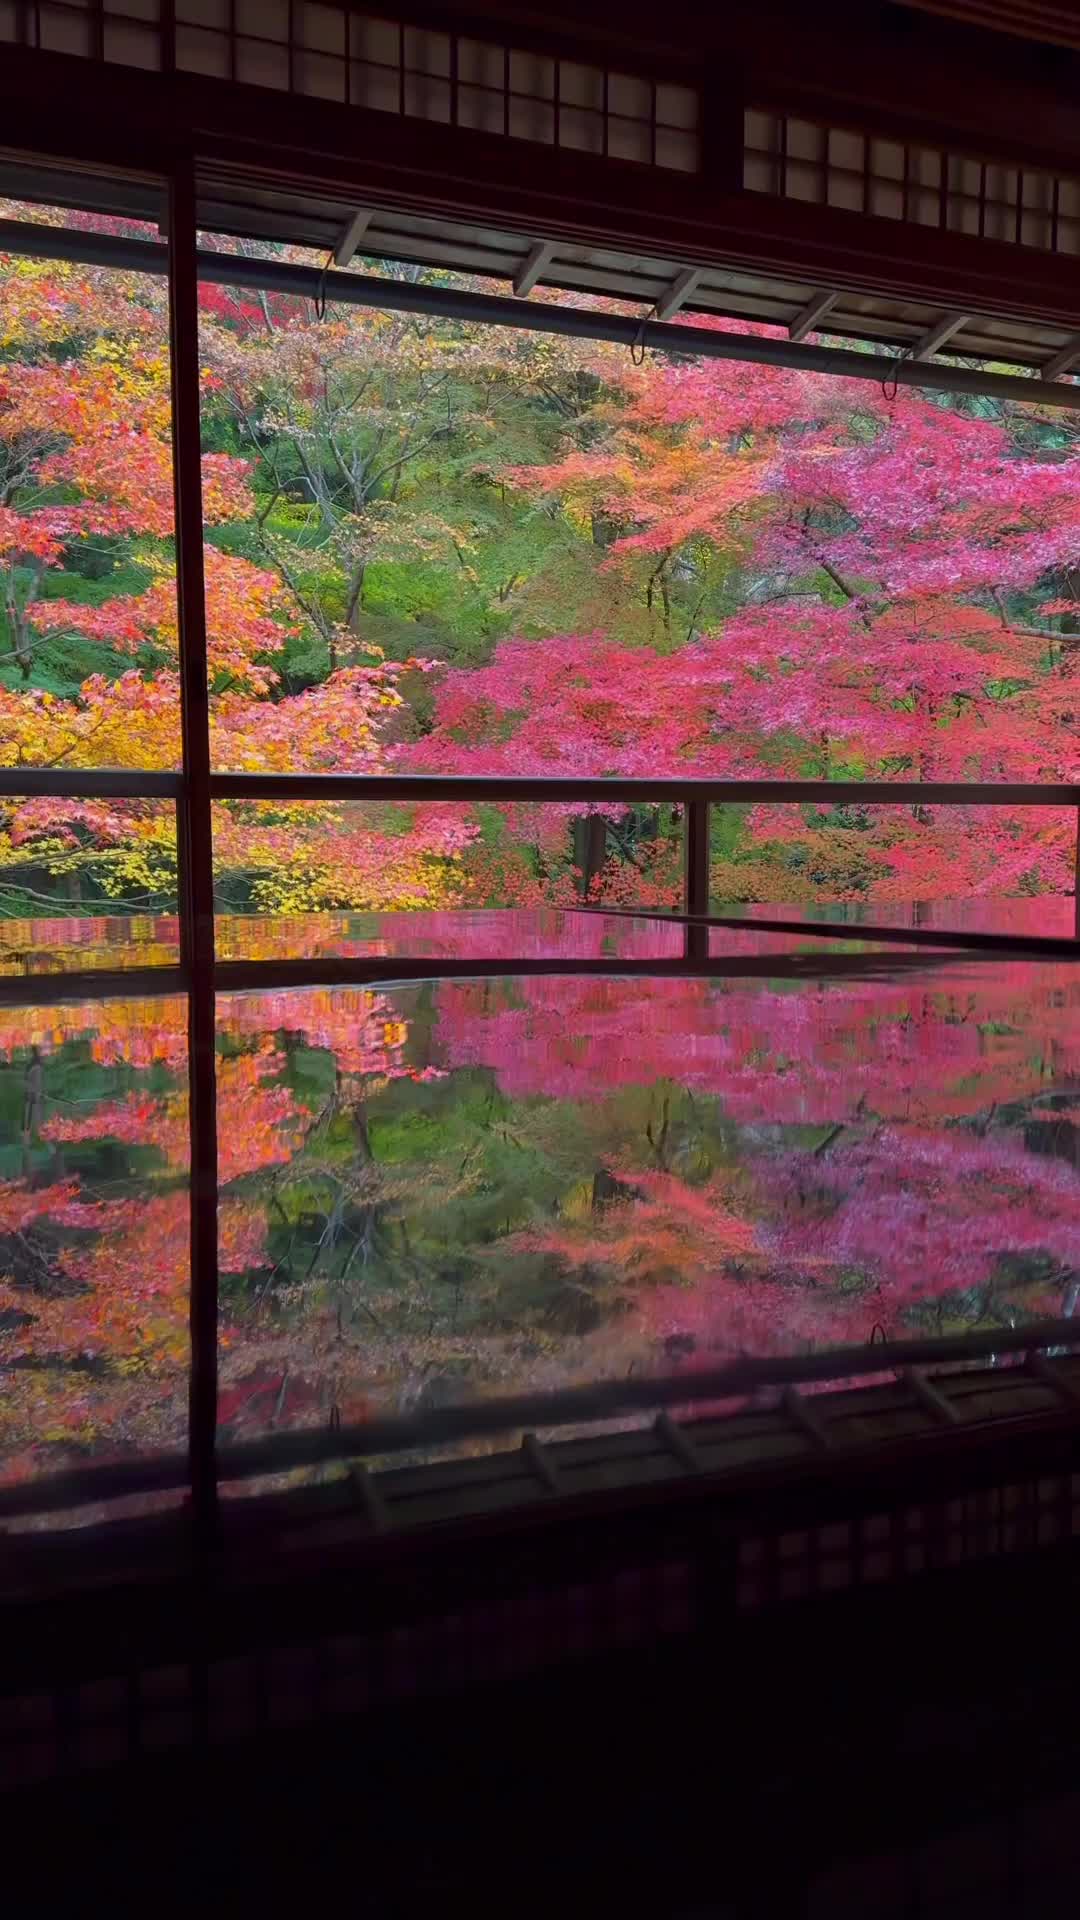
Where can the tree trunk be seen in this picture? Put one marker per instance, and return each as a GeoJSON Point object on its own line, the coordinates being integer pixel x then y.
{"type": "Point", "coordinates": [590, 850]}
{"type": "Point", "coordinates": [356, 600]}
{"type": "Point", "coordinates": [20, 636]}
{"type": "Point", "coordinates": [33, 1104]}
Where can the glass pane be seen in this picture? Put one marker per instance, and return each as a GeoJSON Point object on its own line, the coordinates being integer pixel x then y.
{"type": "Point", "coordinates": [352, 877]}
{"type": "Point", "coordinates": [319, 74]}
{"type": "Point", "coordinates": [60, 30]}
{"type": "Point", "coordinates": [676, 149]}
{"type": "Point", "coordinates": [1050, 916]}
{"type": "Point", "coordinates": [88, 640]}
{"type": "Point", "coordinates": [629, 95]}
{"type": "Point", "coordinates": [817, 954]}
{"type": "Point", "coordinates": [134, 46]}
{"type": "Point", "coordinates": [581, 86]}
{"type": "Point", "coordinates": [630, 139]}
{"type": "Point", "coordinates": [459, 933]}
{"type": "Point", "coordinates": [943, 866]}
{"type": "Point", "coordinates": [94, 1233]}
{"type": "Point", "coordinates": [464, 1188]}
{"type": "Point", "coordinates": [201, 52]}
{"type": "Point", "coordinates": [578, 128]}
{"type": "Point", "coordinates": [87, 883]}
{"type": "Point", "coordinates": [426, 52]}
{"type": "Point", "coordinates": [260, 63]}
{"type": "Point", "coordinates": [318, 26]}
{"type": "Point", "coordinates": [468, 549]}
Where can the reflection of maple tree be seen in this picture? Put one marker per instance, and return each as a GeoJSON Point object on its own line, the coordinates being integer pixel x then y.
{"type": "Point", "coordinates": [912, 1050]}
{"type": "Point", "coordinates": [659, 1172]}
{"type": "Point", "coordinates": [94, 1252]}
{"type": "Point", "coordinates": [133, 940]}
{"type": "Point", "coordinates": [925, 1180]}
{"type": "Point", "coordinates": [468, 1186]}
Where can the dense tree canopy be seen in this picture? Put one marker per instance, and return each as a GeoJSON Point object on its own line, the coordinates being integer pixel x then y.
{"type": "Point", "coordinates": [441, 547]}
{"type": "Point", "coordinates": [444, 547]}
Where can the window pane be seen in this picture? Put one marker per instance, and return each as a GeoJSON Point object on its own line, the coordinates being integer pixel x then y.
{"type": "Point", "coordinates": [1048, 917]}
{"type": "Point", "coordinates": [88, 641]}
{"type": "Point", "coordinates": [87, 883]}
{"type": "Point", "coordinates": [201, 52]}
{"type": "Point", "coordinates": [460, 933]}
{"type": "Point", "coordinates": [463, 1188]}
{"type": "Point", "coordinates": [945, 866]}
{"type": "Point", "coordinates": [60, 30]}
{"type": "Point", "coordinates": [94, 1233]}
{"type": "Point", "coordinates": [468, 549]}
{"type": "Point", "coordinates": [323, 878]}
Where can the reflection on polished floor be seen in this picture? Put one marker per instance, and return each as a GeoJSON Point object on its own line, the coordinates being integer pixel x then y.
{"type": "Point", "coordinates": [452, 1188]}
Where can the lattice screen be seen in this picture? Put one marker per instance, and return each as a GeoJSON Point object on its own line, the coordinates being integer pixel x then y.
{"type": "Point", "coordinates": [366, 60]}
{"type": "Point", "coordinates": [836, 167]}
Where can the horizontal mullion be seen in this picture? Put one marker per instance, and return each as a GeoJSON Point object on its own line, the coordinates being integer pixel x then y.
{"type": "Point", "coordinates": [84, 248]}
{"type": "Point", "coordinates": [90, 784]}
{"type": "Point", "coordinates": [611, 1398]}
{"type": "Point", "coordinates": [397, 296]}
{"type": "Point", "coordinates": [99, 983]}
{"type": "Point", "coordinates": [584, 323]}
{"type": "Point", "coordinates": [955, 940]}
{"type": "Point", "coordinates": [576, 1405]}
{"type": "Point", "coordinates": [413, 786]}
{"type": "Point", "coordinates": [253, 976]}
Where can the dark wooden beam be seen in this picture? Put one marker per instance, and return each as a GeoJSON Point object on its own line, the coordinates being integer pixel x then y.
{"type": "Point", "coordinates": [128, 118]}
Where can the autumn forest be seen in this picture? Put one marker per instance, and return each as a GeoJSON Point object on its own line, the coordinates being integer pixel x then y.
{"type": "Point", "coordinates": [437, 547]}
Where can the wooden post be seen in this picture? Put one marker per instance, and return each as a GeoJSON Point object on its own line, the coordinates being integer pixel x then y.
{"type": "Point", "coordinates": [696, 883]}
{"type": "Point", "coordinates": [195, 843]}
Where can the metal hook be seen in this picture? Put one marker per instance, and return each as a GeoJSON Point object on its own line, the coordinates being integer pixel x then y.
{"type": "Point", "coordinates": [892, 374]}
{"type": "Point", "coordinates": [320, 291]}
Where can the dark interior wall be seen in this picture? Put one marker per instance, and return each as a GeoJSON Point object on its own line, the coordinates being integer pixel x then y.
{"type": "Point", "coordinates": [880, 60]}
{"type": "Point", "coordinates": [883, 68]}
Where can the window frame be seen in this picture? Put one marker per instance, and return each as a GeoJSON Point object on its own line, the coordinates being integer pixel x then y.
{"type": "Point", "coordinates": [201, 976]}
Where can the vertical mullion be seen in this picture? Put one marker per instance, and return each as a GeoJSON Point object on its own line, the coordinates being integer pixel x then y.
{"type": "Point", "coordinates": [1076, 880]}
{"type": "Point", "coordinates": [606, 110]}
{"type": "Point", "coordinates": [696, 876]}
{"type": "Point", "coordinates": [168, 36]}
{"type": "Point", "coordinates": [196, 866]}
